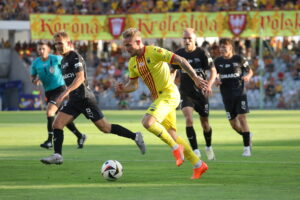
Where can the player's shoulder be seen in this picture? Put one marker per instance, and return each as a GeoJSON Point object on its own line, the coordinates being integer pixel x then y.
{"type": "Point", "coordinates": [179, 51]}
{"type": "Point", "coordinates": [218, 59]}
{"type": "Point", "coordinates": [55, 57]}
{"type": "Point", "coordinates": [152, 48]}
{"type": "Point", "coordinates": [36, 61]}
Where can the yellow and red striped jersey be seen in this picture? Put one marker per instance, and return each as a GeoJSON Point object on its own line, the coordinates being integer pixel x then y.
{"type": "Point", "coordinates": [153, 68]}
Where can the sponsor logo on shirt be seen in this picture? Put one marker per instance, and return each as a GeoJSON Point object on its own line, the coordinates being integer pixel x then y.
{"type": "Point", "coordinates": [69, 75]}
{"type": "Point", "coordinates": [234, 75]}
{"type": "Point", "coordinates": [65, 65]}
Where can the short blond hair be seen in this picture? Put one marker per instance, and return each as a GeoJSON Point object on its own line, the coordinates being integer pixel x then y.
{"type": "Point", "coordinates": [61, 34]}
{"type": "Point", "coordinates": [189, 30]}
{"type": "Point", "coordinates": [130, 32]}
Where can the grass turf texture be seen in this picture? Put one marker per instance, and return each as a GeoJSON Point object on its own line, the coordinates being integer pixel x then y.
{"type": "Point", "coordinates": [273, 172]}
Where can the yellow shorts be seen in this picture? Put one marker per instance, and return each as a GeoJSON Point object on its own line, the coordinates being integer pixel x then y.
{"type": "Point", "coordinates": [164, 108]}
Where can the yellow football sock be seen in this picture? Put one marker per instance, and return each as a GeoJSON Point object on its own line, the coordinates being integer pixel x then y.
{"type": "Point", "coordinates": [188, 152]}
{"type": "Point", "coordinates": [160, 131]}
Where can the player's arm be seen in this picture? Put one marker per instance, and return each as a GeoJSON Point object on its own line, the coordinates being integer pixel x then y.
{"type": "Point", "coordinates": [185, 65]}
{"type": "Point", "coordinates": [211, 80]}
{"type": "Point", "coordinates": [35, 80]}
{"type": "Point", "coordinates": [79, 79]}
{"type": "Point", "coordinates": [246, 66]}
{"type": "Point", "coordinates": [130, 86]}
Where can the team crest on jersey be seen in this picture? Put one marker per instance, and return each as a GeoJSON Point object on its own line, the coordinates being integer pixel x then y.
{"type": "Point", "coordinates": [51, 69]}
{"type": "Point", "coordinates": [159, 50]}
{"type": "Point", "coordinates": [116, 26]}
{"type": "Point", "coordinates": [237, 23]}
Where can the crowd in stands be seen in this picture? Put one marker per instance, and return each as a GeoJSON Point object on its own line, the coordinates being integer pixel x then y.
{"type": "Point", "coordinates": [276, 77]}
{"type": "Point", "coordinates": [20, 9]}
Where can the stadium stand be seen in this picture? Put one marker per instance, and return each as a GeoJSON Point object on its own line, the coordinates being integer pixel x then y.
{"type": "Point", "coordinates": [275, 84]}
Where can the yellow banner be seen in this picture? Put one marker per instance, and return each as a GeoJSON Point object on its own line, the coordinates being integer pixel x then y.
{"type": "Point", "coordinates": [169, 25]}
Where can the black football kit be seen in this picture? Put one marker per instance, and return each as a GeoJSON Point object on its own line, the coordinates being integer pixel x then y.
{"type": "Point", "coordinates": [192, 96]}
{"type": "Point", "coordinates": [233, 89]}
{"type": "Point", "coordinates": [82, 99]}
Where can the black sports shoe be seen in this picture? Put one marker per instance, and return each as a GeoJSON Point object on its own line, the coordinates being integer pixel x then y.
{"type": "Point", "coordinates": [47, 144]}
{"type": "Point", "coordinates": [81, 141]}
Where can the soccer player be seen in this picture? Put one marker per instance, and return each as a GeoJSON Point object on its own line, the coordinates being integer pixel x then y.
{"type": "Point", "coordinates": [234, 71]}
{"type": "Point", "coordinates": [81, 100]}
{"type": "Point", "coordinates": [192, 97]}
{"type": "Point", "coordinates": [150, 63]}
{"type": "Point", "coordinates": [46, 69]}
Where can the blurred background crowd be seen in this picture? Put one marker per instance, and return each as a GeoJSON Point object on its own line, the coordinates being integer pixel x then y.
{"type": "Point", "coordinates": [278, 74]}
{"type": "Point", "coordinates": [276, 80]}
{"type": "Point", "coordinates": [20, 9]}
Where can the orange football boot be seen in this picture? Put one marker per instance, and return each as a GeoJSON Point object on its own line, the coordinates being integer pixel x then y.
{"type": "Point", "coordinates": [178, 154]}
{"type": "Point", "coordinates": [199, 171]}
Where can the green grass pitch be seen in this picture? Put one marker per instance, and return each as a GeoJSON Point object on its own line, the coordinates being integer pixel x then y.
{"type": "Point", "coordinates": [273, 172]}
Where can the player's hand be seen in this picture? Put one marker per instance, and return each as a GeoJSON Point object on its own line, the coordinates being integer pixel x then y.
{"type": "Point", "coordinates": [119, 87]}
{"type": "Point", "coordinates": [61, 98]}
{"type": "Point", "coordinates": [200, 83]}
{"type": "Point", "coordinates": [246, 79]}
{"type": "Point", "coordinates": [36, 81]}
{"type": "Point", "coordinates": [218, 82]}
{"type": "Point", "coordinates": [208, 91]}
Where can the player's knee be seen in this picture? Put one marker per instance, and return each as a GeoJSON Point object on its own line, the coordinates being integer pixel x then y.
{"type": "Point", "coordinates": [189, 121]}
{"type": "Point", "coordinates": [146, 124]}
{"type": "Point", "coordinates": [57, 125]}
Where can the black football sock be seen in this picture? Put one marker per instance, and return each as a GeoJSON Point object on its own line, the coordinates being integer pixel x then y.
{"type": "Point", "coordinates": [191, 135]}
{"type": "Point", "coordinates": [122, 131]}
{"type": "Point", "coordinates": [207, 137]}
{"type": "Point", "coordinates": [58, 140]}
{"type": "Point", "coordinates": [49, 128]}
{"type": "Point", "coordinates": [246, 138]}
{"type": "Point", "coordinates": [71, 126]}
{"type": "Point", "coordinates": [240, 132]}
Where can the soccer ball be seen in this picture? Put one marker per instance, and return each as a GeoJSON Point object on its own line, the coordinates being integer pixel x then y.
{"type": "Point", "coordinates": [112, 170]}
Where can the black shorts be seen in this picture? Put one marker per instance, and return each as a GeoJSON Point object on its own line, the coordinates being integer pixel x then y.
{"type": "Point", "coordinates": [236, 105]}
{"type": "Point", "coordinates": [87, 106]}
{"type": "Point", "coordinates": [200, 104]}
{"type": "Point", "coordinates": [51, 95]}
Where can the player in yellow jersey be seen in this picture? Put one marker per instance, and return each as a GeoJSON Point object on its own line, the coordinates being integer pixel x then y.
{"type": "Point", "coordinates": [150, 63]}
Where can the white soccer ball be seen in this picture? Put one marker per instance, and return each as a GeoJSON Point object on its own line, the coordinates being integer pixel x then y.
{"type": "Point", "coordinates": [112, 170]}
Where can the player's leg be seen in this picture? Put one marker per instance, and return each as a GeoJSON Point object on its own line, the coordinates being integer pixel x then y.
{"type": "Point", "coordinates": [50, 112]}
{"type": "Point", "coordinates": [93, 112]}
{"type": "Point", "coordinates": [246, 134]}
{"type": "Point", "coordinates": [189, 129]}
{"type": "Point", "coordinates": [104, 126]}
{"type": "Point", "coordinates": [61, 120]}
{"type": "Point", "coordinates": [207, 133]}
{"type": "Point", "coordinates": [155, 114]}
{"type": "Point", "coordinates": [80, 136]}
{"type": "Point", "coordinates": [199, 167]}
{"type": "Point", "coordinates": [241, 110]}
{"type": "Point", "coordinates": [154, 117]}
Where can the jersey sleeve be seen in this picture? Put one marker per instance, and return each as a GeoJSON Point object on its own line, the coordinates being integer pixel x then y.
{"type": "Point", "coordinates": [245, 64]}
{"type": "Point", "coordinates": [208, 61]}
{"type": "Point", "coordinates": [176, 66]}
{"type": "Point", "coordinates": [215, 62]}
{"type": "Point", "coordinates": [131, 66]}
{"type": "Point", "coordinates": [33, 71]}
{"type": "Point", "coordinates": [161, 54]}
{"type": "Point", "coordinates": [78, 63]}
